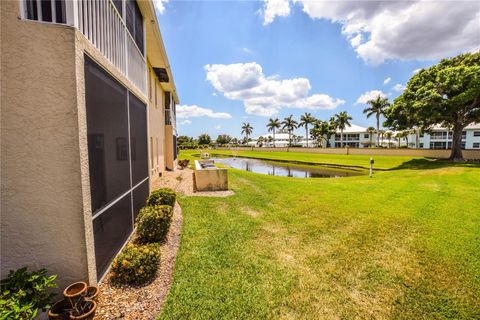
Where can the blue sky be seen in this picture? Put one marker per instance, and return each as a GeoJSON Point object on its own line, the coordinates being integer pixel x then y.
{"type": "Point", "coordinates": [246, 61]}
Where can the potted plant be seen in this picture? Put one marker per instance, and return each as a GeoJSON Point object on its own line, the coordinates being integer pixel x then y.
{"type": "Point", "coordinates": [78, 303]}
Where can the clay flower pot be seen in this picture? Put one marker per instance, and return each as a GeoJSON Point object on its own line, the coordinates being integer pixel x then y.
{"type": "Point", "coordinates": [92, 292]}
{"type": "Point", "coordinates": [75, 290]}
{"type": "Point", "coordinates": [60, 310]}
{"type": "Point", "coordinates": [90, 307]}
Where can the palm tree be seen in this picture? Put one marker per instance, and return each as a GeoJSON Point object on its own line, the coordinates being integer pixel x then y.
{"type": "Point", "coordinates": [342, 120]}
{"type": "Point", "coordinates": [320, 130]}
{"type": "Point", "coordinates": [381, 133]}
{"type": "Point", "coordinates": [371, 131]}
{"type": "Point", "coordinates": [305, 120]}
{"type": "Point", "coordinates": [377, 108]}
{"type": "Point", "coordinates": [260, 141]}
{"type": "Point", "coordinates": [290, 124]}
{"type": "Point", "coordinates": [247, 130]}
{"type": "Point", "coordinates": [270, 140]}
{"type": "Point", "coordinates": [272, 125]}
{"type": "Point", "coordinates": [388, 136]}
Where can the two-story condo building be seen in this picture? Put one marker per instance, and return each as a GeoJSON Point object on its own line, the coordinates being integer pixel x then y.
{"type": "Point", "coordinates": [355, 136]}
{"type": "Point", "coordinates": [88, 124]}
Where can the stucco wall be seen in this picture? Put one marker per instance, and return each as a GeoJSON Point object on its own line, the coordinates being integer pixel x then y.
{"type": "Point", "coordinates": [156, 127]}
{"type": "Point", "coordinates": [432, 153]}
{"type": "Point", "coordinates": [42, 221]}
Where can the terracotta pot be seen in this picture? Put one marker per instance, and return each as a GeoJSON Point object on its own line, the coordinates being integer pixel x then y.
{"type": "Point", "coordinates": [87, 315]}
{"type": "Point", "coordinates": [92, 292]}
{"type": "Point", "coordinates": [75, 290]}
{"type": "Point", "coordinates": [60, 310]}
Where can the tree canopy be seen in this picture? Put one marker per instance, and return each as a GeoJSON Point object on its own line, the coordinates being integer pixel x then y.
{"type": "Point", "coordinates": [447, 94]}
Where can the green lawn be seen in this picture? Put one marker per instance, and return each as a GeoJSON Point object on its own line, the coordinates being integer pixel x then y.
{"type": "Point", "coordinates": [404, 244]}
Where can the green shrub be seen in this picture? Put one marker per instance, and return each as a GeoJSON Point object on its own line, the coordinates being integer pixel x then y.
{"type": "Point", "coordinates": [23, 293]}
{"type": "Point", "coordinates": [136, 265]}
{"type": "Point", "coordinates": [153, 223]}
{"type": "Point", "coordinates": [162, 196]}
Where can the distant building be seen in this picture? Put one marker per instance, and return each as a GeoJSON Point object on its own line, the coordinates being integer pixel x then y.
{"type": "Point", "coordinates": [355, 136]}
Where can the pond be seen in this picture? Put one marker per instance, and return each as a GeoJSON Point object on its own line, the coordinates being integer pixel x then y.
{"type": "Point", "coordinates": [285, 169]}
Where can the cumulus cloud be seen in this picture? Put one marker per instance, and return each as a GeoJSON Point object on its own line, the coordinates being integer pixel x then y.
{"type": "Point", "coordinates": [407, 30]}
{"type": "Point", "coordinates": [160, 5]}
{"type": "Point", "coordinates": [185, 122]}
{"type": "Point", "coordinates": [370, 95]}
{"type": "Point", "coordinates": [275, 8]}
{"type": "Point", "coordinates": [386, 81]}
{"type": "Point", "coordinates": [262, 95]}
{"type": "Point", "coordinates": [398, 87]}
{"type": "Point", "coordinates": [193, 111]}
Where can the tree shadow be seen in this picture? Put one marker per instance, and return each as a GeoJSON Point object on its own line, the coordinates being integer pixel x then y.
{"type": "Point", "coordinates": [433, 163]}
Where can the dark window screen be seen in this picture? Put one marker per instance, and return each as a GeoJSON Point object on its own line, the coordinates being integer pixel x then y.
{"type": "Point", "coordinates": [32, 9]}
{"type": "Point", "coordinates": [107, 129]}
{"type": "Point", "coordinates": [46, 6]}
{"type": "Point", "coordinates": [60, 11]}
{"type": "Point", "coordinates": [138, 135]}
{"type": "Point", "coordinates": [134, 21]}
{"type": "Point", "coordinates": [110, 230]}
{"type": "Point", "coordinates": [118, 5]}
{"type": "Point", "coordinates": [140, 195]}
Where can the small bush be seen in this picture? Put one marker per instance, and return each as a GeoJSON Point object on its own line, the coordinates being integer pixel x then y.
{"type": "Point", "coordinates": [23, 293]}
{"type": "Point", "coordinates": [136, 264]}
{"type": "Point", "coordinates": [153, 223]}
{"type": "Point", "coordinates": [161, 197]}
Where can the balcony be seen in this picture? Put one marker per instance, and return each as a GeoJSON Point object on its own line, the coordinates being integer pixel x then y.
{"type": "Point", "coordinates": [102, 24]}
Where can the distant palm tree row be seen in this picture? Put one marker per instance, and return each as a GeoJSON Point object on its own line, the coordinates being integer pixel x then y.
{"type": "Point", "coordinates": [321, 130]}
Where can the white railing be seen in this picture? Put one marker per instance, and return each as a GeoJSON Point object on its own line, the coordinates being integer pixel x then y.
{"type": "Point", "coordinates": [102, 24]}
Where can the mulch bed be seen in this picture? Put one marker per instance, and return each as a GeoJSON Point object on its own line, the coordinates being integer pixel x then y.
{"type": "Point", "coordinates": [143, 302]}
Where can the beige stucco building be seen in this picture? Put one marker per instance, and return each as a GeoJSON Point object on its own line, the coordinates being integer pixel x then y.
{"type": "Point", "coordinates": [87, 126]}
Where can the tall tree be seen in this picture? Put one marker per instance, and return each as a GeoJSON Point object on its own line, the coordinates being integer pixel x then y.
{"type": "Point", "coordinates": [388, 136]}
{"type": "Point", "coordinates": [247, 130]}
{"type": "Point", "coordinates": [223, 139]}
{"type": "Point", "coordinates": [290, 124]}
{"type": "Point", "coordinates": [371, 131]}
{"type": "Point", "coordinates": [447, 94]}
{"type": "Point", "coordinates": [273, 125]}
{"type": "Point", "coordinates": [320, 131]}
{"type": "Point", "coordinates": [204, 139]}
{"type": "Point", "coordinates": [305, 120]}
{"type": "Point", "coordinates": [342, 120]}
{"type": "Point", "coordinates": [377, 107]}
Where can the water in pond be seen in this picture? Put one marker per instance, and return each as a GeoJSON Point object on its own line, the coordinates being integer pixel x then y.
{"type": "Point", "coordinates": [284, 169]}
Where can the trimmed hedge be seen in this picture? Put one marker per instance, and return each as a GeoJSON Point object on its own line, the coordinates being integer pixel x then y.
{"type": "Point", "coordinates": [136, 265]}
{"type": "Point", "coordinates": [162, 196]}
{"type": "Point", "coordinates": [153, 223]}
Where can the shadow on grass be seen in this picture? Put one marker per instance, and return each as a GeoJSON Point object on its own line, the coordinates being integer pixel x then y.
{"type": "Point", "coordinates": [432, 163]}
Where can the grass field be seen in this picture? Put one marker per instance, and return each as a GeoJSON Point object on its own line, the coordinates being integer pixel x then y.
{"type": "Point", "coordinates": [404, 244]}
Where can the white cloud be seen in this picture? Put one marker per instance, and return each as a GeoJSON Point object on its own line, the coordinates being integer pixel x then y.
{"type": "Point", "coordinates": [370, 95]}
{"type": "Point", "coordinates": [193, 111]}
{"type": "Point", "coordinates": [407, 30]}
{"type": "Point", "coordinates": [398, 87]}
{"type": "Point", "coordinates": [185, 122]}
{"type": "Point", "coordinates": [262, 95]}
{"type": "Point", "coordinates": [214, 94]}
{"type": "Point", "coordinates": [218, 127]}
{"type": "Point", "coordinates": [386, 81]}
{"type": "Point", "coordinates": [246, 50]}
{"type": "Point", "coordinates": [275, 8]}
{"type": "Point", "coordinates": [416, 71]}
{"type": "Point", "coordinates": [160, 5]}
